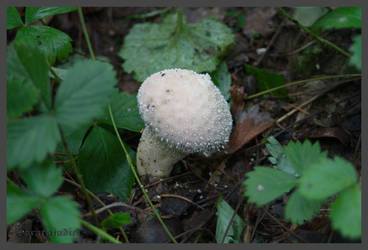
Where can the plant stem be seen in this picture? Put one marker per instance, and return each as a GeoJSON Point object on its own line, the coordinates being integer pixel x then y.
{"type": "Point", "coordinates": [57, 78]}
{"type": "Point", "coordinates": [315, 36]}
{"type": "Point", "coordinates": [79, 177]}
{"type": "Point", "coordinates": [85, 33]}
{"type": "Point", "coordinates": [99, 232]}
{"type": "Point", "coordinates": [301, 82]}
{"type": "Point", "coordinates": [138, 180]}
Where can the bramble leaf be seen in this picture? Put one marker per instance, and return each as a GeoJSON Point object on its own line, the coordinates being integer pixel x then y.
{"type": "Point", "coordinates": [104, 166]}
{"type": "Point", "coordinates": [341, 17]}
{"type": "Point", "coordinates": [35, 13]}
{"type": "Point", "coordinates": [116, 220]}
{"type": "Point", "coordinates": [151, 47]}
{"type": "Point", "coordinates": [265, 184]}
{"type": "Point", "coordinates": [13, 19]}
{"type": "Point", "coordinates": [308, 15]}
{"type": "Point", "coordinates": [327, 177]}
{"type": "Point", "coordinates": [356, 50]}
{"type": "Point", "coordinates": [60, 218]}
{"type": "Point", "coordinates": [222, 79]}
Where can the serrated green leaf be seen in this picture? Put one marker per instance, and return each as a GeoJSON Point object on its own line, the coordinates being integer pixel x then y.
{"type": "Point", "coordinates": [74, 139]}
{"type": "Point", "coordinates": [341, 17]}
{"type": "Point", "coordinates": [103, 164]}
{"type": "Point", "coordinates": [35, 13]}
{"type": "Point", "coordinates": [30, 140]}
{"type": "Point", "coordinates": [356, 50]}
{"type": "Point", "coordinates": [268, 80]}
{"type": "Point", "coordinates": [265, 184]}
{"type": "Point", "coordinates": [116, 220]}
{"type": "Point", "coordinates": [278, 157]}
{"type": "Point", "coordinates": [303, 155]}
{"type": "Point", "coordinates": [346, 212]}
{"type": "Point", "coordinates": [54, 43]}
{"type": "Point", "coordinates": [299, 209]}
{"type": "Point", "coordinates": [60, 218]}
{"type": "Point", "coordinates": [34, 68]}
{"type": "Point", "coordinates": [18, 203]}
{"type": "Point", "coordinates": [125, 110]}
{"type": "Point", "coordinates": [224, 214]}
{"type": "Point", "coordinates": [308, 15]}
{"type": "Point", "coordinates": [151, 47]}
{"type": "Point", "coordinates": [327, 177]}
{"type": "Point", "coordinates": [84, 93]}
{"type": "Point", "coordinates": [43, 179]}
{"type": "Point", "coordinates": [21, 96]}
{"type": "Point", "coordinates": [222, 79]}
{"type": "Point", "coordinates": [13, 19]}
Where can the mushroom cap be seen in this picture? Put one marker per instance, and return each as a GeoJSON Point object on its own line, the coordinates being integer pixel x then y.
{"type": "Point", "coordinates": [185, 110]}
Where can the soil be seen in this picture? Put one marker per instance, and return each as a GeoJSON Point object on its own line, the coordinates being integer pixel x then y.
{"type": "Point", "coordinates": [187, 199]}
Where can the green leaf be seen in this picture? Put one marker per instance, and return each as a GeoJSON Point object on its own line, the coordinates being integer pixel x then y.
{"type": "Point", "coordinates": [278, 156]}
{"type": "Point", "coordinates": [115, 220]}
{"type": "Point", "coordinates": [222, 79]}
{"type": "Point", "coordinates": [356, 50]}
{"type": "Point", "coordinates": [36, 68]}
{"type": "Point", "coordinates": [308, 15]}
{"type": "Point", "coordinates": [21, 96]}
{"type": "Point", "coordinates": [265, 184]}
{"type": "Point", "coordinates": [30, 139]}
{"type": "Point", "coordinates": [43, 179]}
{"type": "Point", "coordinates": [224, 214]}
{"type": "Point", "coordinates": [84, 93]}
{"type": "Point", "coordinates": [346, 212]}
{"type": "Point", "coordinates": [303, 155]}
{"type": "Point", "coordinates": [341, 17]}
{"type": "Point", "coordinates": [35, 13]}
{"type": "Point", "coordinates": [74, 139]}
{"type": "Point", "coordinates": [104, 166]}
{"type": "Point", "coordinates": [151, 47]}
{"type": "Point", "coordinates": [327, 177]}
{"type": "Point", "coordinates": [13, 19]}
{"type": "Point", "coordinates": [18, 203]}
{"type": "Point", "coordinates": [299, 209]}
{"type": "Point", "coordinates": [54, 43]}
{"type": "Point", "coordinates": [60, 218]}
{"type": "Point", "coordinates": [268, 80]}
{"type": "Point", "coordinates": [125, 110]}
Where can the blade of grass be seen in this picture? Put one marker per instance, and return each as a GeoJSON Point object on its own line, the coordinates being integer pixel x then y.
{"type": "Point", "coordinates": [99, 232]}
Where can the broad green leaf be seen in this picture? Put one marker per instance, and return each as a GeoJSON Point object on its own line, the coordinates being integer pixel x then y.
{"type": "Point", "coordinates": [21, 96]}
{"type": "Point", "coordinates": [303, 155]}
{"type": "Point", "coordinates": [35, 13]}
{"type": "Point", "coordinates": [346, 212]}
{"type": "Point", "coordinates": [224, 214]}
{"type": "Point", "coordinates": [104, 166]}
{"type": "Point", "coordinates": [327, 177]}
{"type": "Point", "coordinates": [84, 93]}
{"type": "Point", "coordinates": [356, 51]}
{"type": "Point", "coordinates": [54, 43]}
{"type": "Point", "coordinates": [299, 209]}
{"type": "Point", "coordinates": [115, 220]}
{"type": "Point", "coordinates": [35, 66]}
{"type": "Point", "coordinates": [222, 79]}
{"type": "Point", "coordinates": [43, 179]}
{"type": "Point", "coordinates": [308, 15]}
{"type": "Point", "coordinates": [18, 203]}
{"type": "Point", "coordinates": [60, 218]}
{"type": "Point", "coordinates": [265, 184]}
{"type": "Point", "coordinates": [151, 47]}
{"type": "Point", "coordinates": [278, 156]}
{"type": "Point", "coordinates": [125, 111]}
{"type": "Point", "coordinates": [13, 19]}
{"type": "Point", "coordinates": [30, 140]}
{"type": "Point", "coordinates": [74, 139]}
{"type": "Point", "coordinates": [341, 17]}
{"type": "Point", "coordinates": [268, 80]}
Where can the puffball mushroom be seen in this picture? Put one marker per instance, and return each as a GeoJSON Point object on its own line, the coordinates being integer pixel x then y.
{"type": "Point", "coordinates": [184, 112]}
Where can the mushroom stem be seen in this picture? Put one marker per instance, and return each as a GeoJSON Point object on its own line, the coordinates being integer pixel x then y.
{"type": "Point", "coordinates": [155, 157]}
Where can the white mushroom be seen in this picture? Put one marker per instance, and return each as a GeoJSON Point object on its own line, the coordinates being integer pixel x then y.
{"type": "Point", "coordinates": [184, 113]}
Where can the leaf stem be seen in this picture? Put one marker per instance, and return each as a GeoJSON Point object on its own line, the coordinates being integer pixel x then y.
{"type": "Point", "coordinates": [138, 180]}
{"type": "Point", "coordinates": [79, 176]}
{"type": "Point", "coordinates": [301, 82]}
{"type": "Point", "coordinates": [85, 33]}
{"type": "Point", "coordinates": [99, 232]}
{"type": "Point", "coordinates": [314, 35]}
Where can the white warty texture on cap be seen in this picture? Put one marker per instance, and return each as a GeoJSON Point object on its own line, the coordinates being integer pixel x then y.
{"type": "Point", "coordinates": [185, 110]}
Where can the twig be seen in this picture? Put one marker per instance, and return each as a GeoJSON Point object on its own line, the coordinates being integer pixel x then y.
{"type": "Point", "coordinates": [115, 204]}
{"type": "Point", "coordinates": [182, 198]}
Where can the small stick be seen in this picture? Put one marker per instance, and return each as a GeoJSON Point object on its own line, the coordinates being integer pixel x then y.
{"type": "Point", "coordinates": [181, 197]}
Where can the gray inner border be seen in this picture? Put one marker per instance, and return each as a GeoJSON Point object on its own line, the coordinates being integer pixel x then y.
{"type": "Point", "coordinates": [193, 3]}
